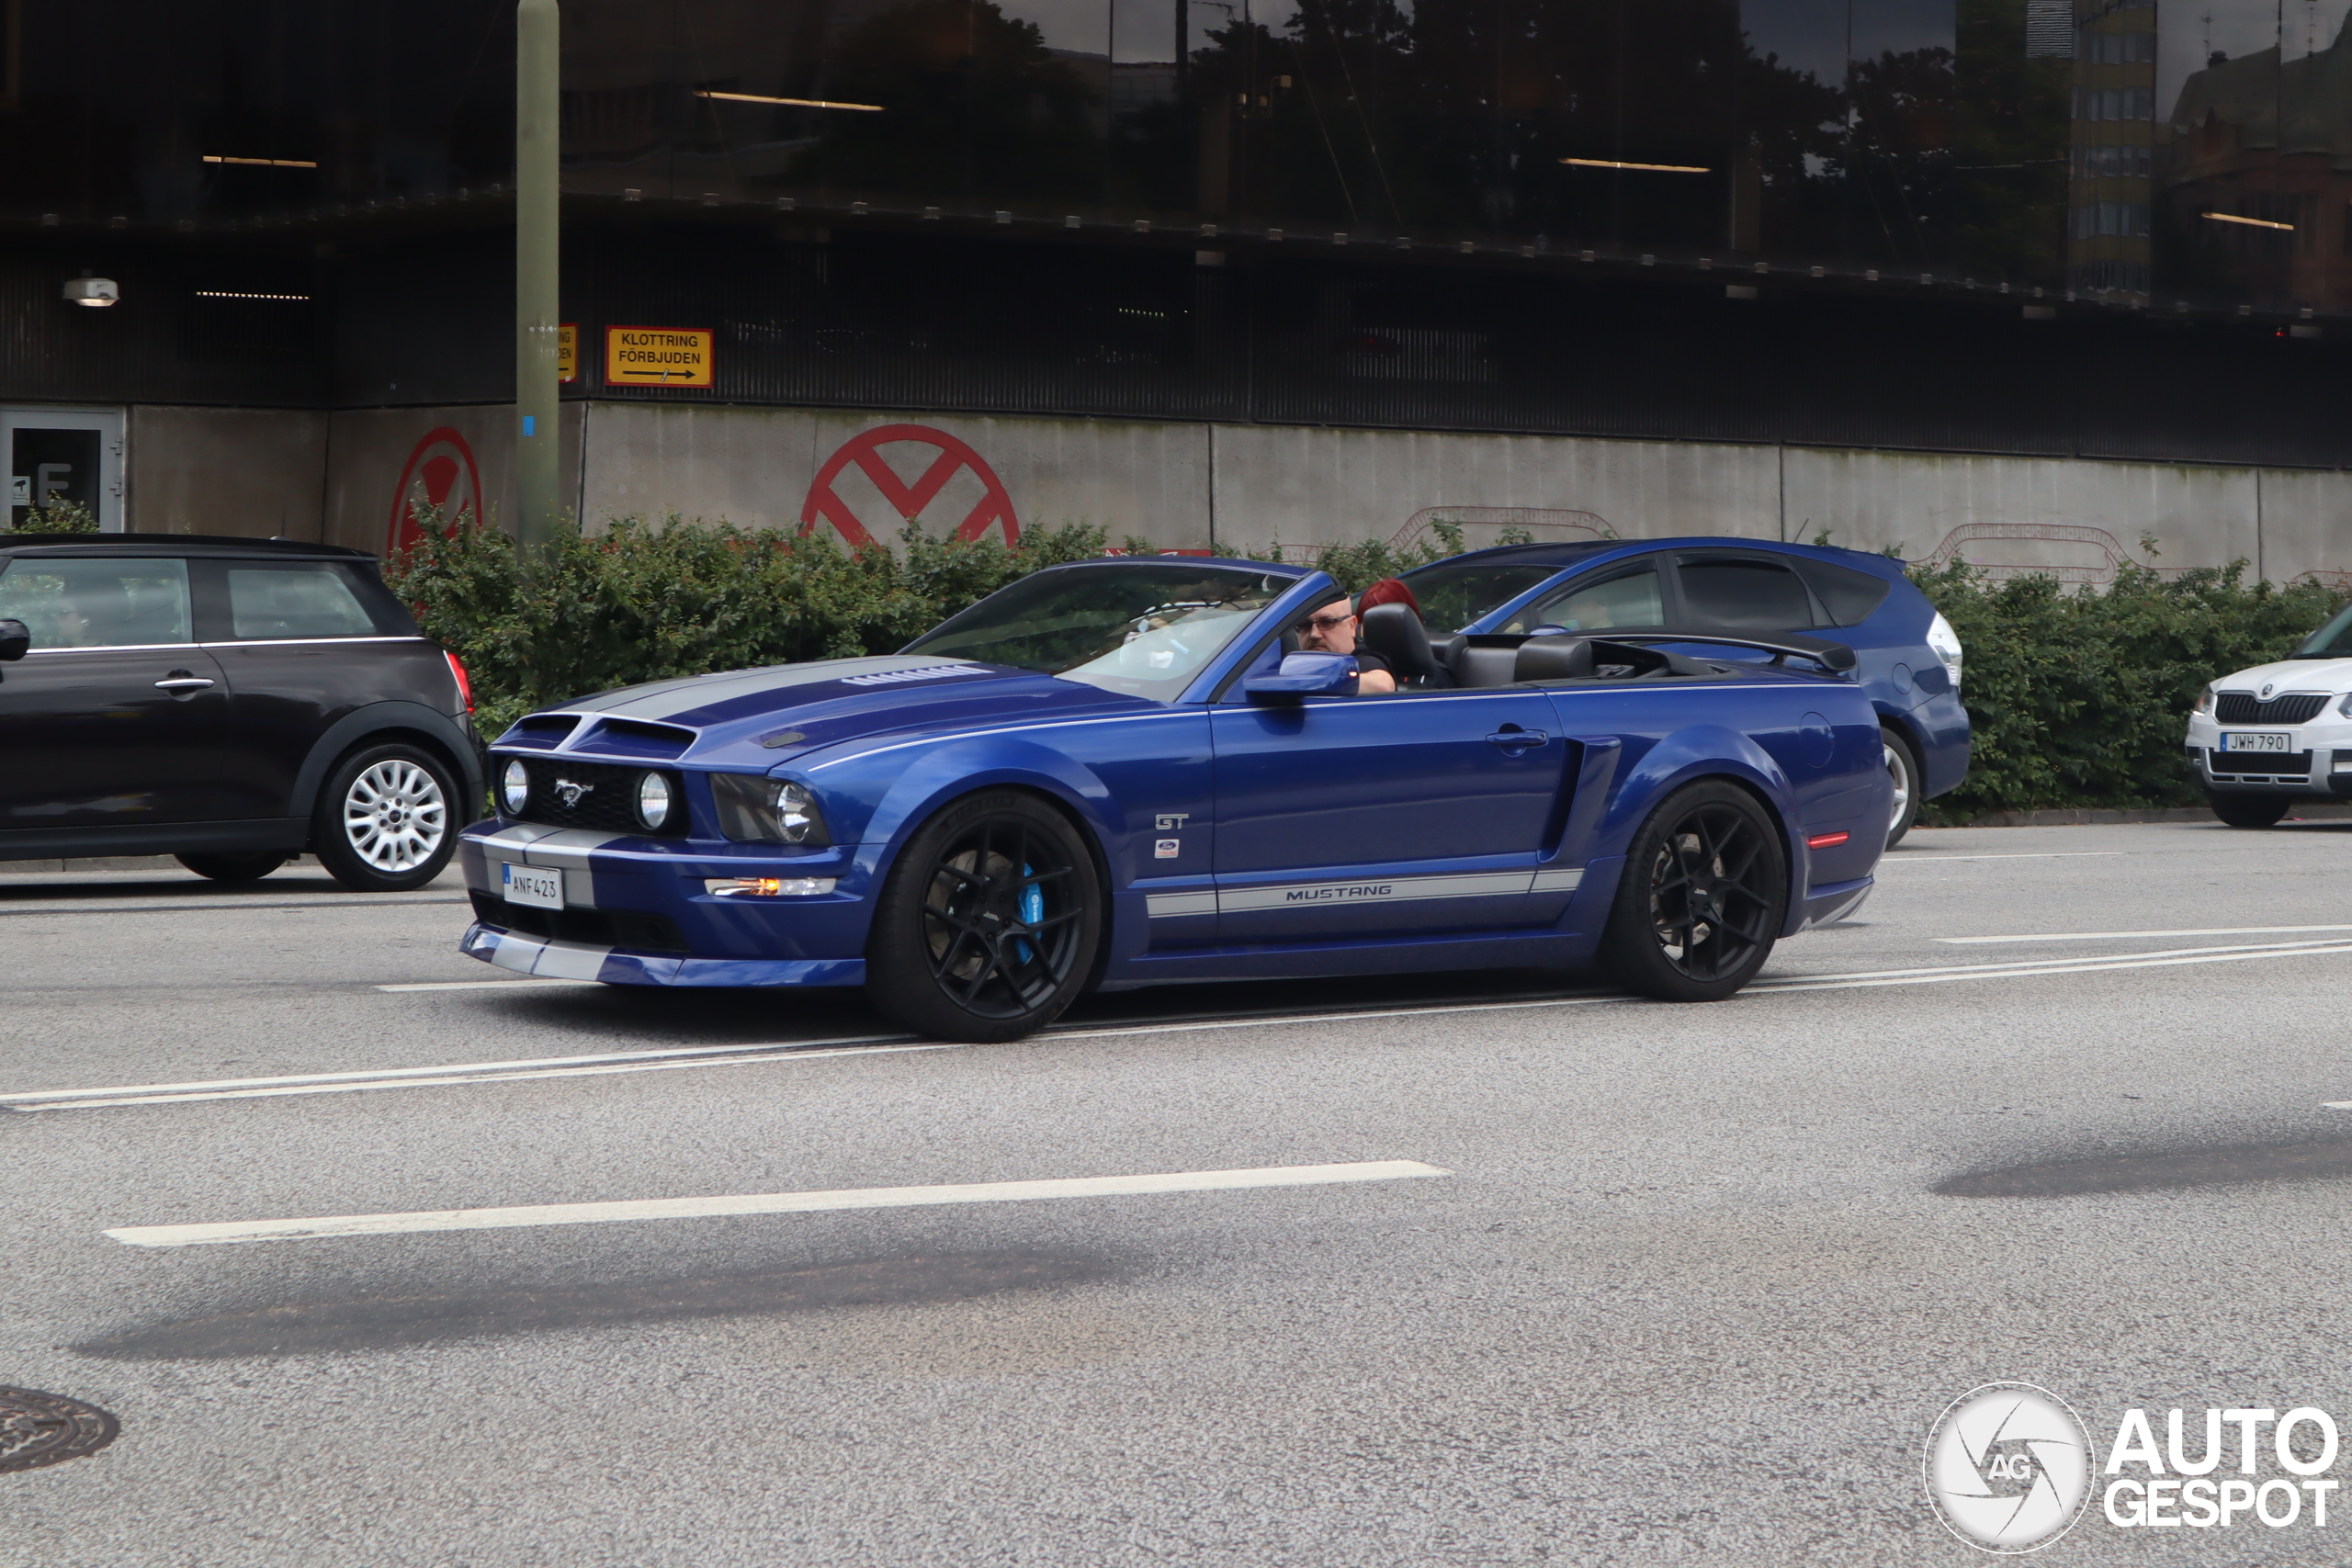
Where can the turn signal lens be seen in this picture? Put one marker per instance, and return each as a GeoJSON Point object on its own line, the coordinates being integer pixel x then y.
{"type": "Point", "coordinates": [653, 800]}
{"type": "Point", "coordinates": [767, 886]}
{"type": "Point", "coordinates": [514, 788]}
{"type": "Point", "coordinates": [1826, 841]}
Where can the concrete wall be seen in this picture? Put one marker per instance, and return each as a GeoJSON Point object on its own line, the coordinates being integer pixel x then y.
{"type": "Point", "coordinates": [1191, 486]}
{"type": "Point", "coordinates": [253, 472]}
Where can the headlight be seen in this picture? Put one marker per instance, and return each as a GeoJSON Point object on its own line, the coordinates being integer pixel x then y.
{"type": "Point", "coordinates": [514, 788]}
{"type": "Point", "coordinates": [796, 816]}
{"type": "Point", "coordinates": [1944, 643]}
{"type": "Point", "coordinates": [754, 809]}
{"type": "Point", "coordinates": [2204, 702]}
{"type": "Point", "coordinates": [2343, 708]}
{"type": "Point", "coordinates": [653, 800]}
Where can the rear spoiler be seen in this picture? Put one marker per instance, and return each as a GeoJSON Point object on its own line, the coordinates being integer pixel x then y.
{"type": "Point", "coordinates": [1780, 645]}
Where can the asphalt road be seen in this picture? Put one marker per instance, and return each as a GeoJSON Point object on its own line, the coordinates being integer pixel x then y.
{"type": "Point", "coordinates": [1698, 1281]}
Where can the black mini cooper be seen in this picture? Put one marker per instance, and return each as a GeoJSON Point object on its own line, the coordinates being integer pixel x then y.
{"type": "Point", "coordinates": [232, 701]}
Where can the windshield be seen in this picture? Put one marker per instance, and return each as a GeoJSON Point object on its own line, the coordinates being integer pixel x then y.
{"type": "Point", "coordinates": [2333, 640]}
{"type": "Point", "coordinates": [1145, 629]}
{"type": "Point", "coordinates": [1455, 593]}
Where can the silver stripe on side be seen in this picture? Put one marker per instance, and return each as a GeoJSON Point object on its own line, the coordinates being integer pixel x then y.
{"type": "Point", "coordinates": [1163, 905]}
{"type": "Point", "coordinates": [1371, 890]}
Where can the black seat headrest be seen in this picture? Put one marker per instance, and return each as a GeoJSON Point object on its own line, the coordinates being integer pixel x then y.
{"type": "Point", "coordinates": [1448, 649]}
{"type": "Point", "coordinates": [1394, 633]}
{"type": "Point", "coordinates": [1554, 659]}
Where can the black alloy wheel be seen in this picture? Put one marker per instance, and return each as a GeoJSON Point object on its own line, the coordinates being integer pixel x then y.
{"type": "Point", "coordinates": [2246, 809]}
{"type": "Point", "coordinates": [1704, 891]}
{"type": "Point", "coordinates": [233, 868]}
{"type": "Point", "coordinates": [988, 926]}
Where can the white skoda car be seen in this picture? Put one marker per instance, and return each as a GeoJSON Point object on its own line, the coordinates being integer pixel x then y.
{"type": "Point", "coordinates": [2265, 738]}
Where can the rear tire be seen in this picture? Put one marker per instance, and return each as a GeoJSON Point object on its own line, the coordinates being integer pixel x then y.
{"type": "Point", "coordinates": [1903, 768]}
{"type": "Point", "coordinates": [1704, 894]}
{"type": "Point", "coordinates": [384, 822]}
{"type": "Point", "coordinates": [988, 926]}
{"type": "Point", "coordinates": [2243, 808]}
{"type": "Point", "coordinates": [233, 868]}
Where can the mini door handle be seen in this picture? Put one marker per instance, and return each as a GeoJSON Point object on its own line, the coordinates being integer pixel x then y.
{"type": "Point", "coordinates": [1510, 740]}
{"type": "Point", "coordinates": [178, 683]}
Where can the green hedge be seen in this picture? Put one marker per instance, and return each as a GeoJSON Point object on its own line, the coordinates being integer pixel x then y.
{"type": "Point", "coordinates": [2076, 698]}
{"type": "Point", "coordinates": [2080, 698]}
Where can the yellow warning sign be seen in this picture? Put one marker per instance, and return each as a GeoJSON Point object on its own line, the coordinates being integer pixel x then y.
{"type": "Point", "coordinates": [657, 356]}
{"type": "Point", "coordinates": [567, 351]}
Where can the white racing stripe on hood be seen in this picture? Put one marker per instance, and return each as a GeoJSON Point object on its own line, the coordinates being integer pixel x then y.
{"type": "Point", "coordinates": [671, 698]}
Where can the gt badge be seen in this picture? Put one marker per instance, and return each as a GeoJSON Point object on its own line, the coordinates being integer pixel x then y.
{"type": "Point", "coordinates": [1168, 819]}
{"type": "Point", "coordinates": [1164, 849]}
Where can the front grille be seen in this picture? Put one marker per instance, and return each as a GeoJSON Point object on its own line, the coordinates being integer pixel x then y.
{"type": "Point", "coordinates": [2260, 764]}
{"type": "Point", "coordinates": [598, 928]}
{"type": "Point", "coordinates": [608, 804]}
{"type": "Point", "coordinates": [2294, 707]}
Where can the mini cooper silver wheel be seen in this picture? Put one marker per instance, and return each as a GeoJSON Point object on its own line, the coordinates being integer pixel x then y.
{"type": "Point", "coordinates": [383, 822]}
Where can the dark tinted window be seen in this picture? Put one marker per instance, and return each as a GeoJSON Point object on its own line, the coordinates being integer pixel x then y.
{"type": "Point", "coordinates": [1848, 596]}
{"type": "Point", "coordinates": [313, 599]}
{"type": "Point", "coordinates": [99, 602]}
{"type": "Point", "coordinates": [1454, 595]}
{"type": "Point", "coordinates": [1749, 595]}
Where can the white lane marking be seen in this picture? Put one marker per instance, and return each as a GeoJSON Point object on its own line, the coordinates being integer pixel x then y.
{"type": "Point", "coordinates": [747, 1056]}
{"type": "Point", "coordinates": [390, 1075]}
{"type": "Point", "coordinates": [773, 1203]}
{"type": "Point", "coordinates": [1932, 857]}
{"type": "Point", "coordinates": [2027, 969]}
{"type": "Point", "coordinates": [2117, 936]}
{"type": "Point", "coordinates": [525, 982]}
{"type": "Point", "coordinates": [734, 1061]}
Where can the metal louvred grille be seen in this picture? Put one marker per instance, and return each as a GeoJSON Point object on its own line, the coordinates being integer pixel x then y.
{"type": "Point", "coordinates": [2294, 707]}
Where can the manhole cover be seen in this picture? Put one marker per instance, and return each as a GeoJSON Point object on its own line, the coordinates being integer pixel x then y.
{"type": "Point", "coordinates": [42, 1428]}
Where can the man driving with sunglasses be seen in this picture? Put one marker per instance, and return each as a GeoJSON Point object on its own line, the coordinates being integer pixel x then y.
{"type": "Point", "coordinates": [1332, 629]}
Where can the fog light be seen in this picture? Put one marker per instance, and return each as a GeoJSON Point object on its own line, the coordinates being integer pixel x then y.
{"type": "Point", "coordinates": [653, 800]}
{"type": "Point", "coordinates": [514, 788]}
{"type": "Point", "coordinates": [767, 886]}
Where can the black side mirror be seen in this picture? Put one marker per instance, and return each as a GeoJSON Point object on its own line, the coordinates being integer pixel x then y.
{"type": "Point", "coordinates": [15, 638]}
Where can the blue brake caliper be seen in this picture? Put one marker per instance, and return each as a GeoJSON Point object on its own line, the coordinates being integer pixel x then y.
{"type": "Point", "coordinates": [1032, 910]}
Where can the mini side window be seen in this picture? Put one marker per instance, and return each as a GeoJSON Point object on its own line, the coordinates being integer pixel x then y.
{"type": "Point", "coordinates": [294, 600]}
{"type": "Point", "coordinates": [97, 601]}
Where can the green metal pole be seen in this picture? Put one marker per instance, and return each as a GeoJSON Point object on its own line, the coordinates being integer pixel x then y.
{"type": "Point", "coordinates": [537, 88]}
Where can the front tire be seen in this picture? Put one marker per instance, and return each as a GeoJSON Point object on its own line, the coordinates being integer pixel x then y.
{"type": "Point", "coordinates": [988, 926]}
{"type": "Point", "coordinates": [1903, 772]}
{"type": "Point", "coordinates": [233, 868]}
{"type": "Point", "coordinates": [383, 822]}
{"type": "Point", "coordinates": [2243, 808]}
{"type": "Point", "coordinates": [1704, 891]}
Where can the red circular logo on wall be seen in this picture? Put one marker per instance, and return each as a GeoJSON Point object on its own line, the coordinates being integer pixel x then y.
{"type": "Point", "coordinates": [955, 457]}
{"type": "Point", "coordinates": [440, 473]}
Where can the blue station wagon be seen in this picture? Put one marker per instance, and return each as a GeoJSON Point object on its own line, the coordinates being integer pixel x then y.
{"type": "Point", "coordinates": [1907, 657]}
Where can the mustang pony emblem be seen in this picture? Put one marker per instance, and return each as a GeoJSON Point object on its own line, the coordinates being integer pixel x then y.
{"type": "Point", "coordinates": [571, 793]}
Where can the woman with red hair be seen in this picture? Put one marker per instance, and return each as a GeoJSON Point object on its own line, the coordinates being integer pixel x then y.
{"type": "Point", "coordinates": [1388, 591]}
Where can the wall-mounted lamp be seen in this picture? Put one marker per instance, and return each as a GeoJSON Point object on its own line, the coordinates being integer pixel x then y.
{"type": "Point", "coordinates": [95, 292]}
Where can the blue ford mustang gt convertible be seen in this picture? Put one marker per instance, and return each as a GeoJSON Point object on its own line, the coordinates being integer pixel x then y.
{"type": "Point", "coordinates": [1122, 772]}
